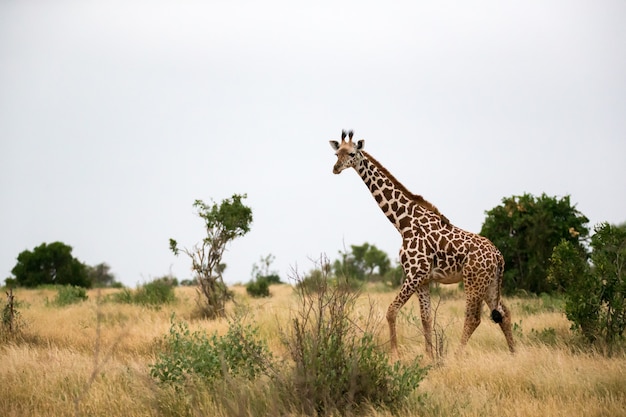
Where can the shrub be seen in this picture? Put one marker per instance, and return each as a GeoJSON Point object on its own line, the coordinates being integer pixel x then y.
{"type": "Point", "coordinates": [69, 294]}
{"type": "Point", "coordinates": [238, 353]}
{"type": "Point", "coordinates": [595, 292]}
{"type": "Point", "coordinates": [334, 367]}
{"type": "Point", "coordinates": [154, 293]}
{"type": "Point", "coordinates": [313, 282]}
{"type": "Point", "coordinates": [124, 297]}
{"type": "Point", "coordinates": [272, 278]}
{"type": "Point", "coordinates": [337, 363]}
{"type": "Point", "coordinates": [258, 288]}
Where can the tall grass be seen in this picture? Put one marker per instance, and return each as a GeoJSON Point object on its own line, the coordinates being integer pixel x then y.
{"type": "Point", "coordinates": [52, 365]}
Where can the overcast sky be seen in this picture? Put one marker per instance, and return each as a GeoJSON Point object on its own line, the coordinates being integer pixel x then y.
{"type": "Point", "coordinates": [116, 115]}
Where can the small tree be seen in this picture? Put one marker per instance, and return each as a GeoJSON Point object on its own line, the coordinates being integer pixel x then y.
{"type": "Point", "coordinates": [223, 223]}
{"type": "Point", "coordinates": [263, 271]}
{"type": "Point", "coordinates": [101, 276]}
{"type": "Point", "coordinates": [262, 277]}
{"type": "Point", "coordinates": [595, 291]}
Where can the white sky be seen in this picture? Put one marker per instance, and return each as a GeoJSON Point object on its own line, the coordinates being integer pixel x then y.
{"type": "Point", "coordinates": [116, 115]}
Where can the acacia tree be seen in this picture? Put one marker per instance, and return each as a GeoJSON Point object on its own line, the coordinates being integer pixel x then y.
{"type": "Point", "coordinates": [223, 223]}
{"type": "Point", "coordinates": [49, 263]}
{"type": "Point", "coordinates": [526, 229]}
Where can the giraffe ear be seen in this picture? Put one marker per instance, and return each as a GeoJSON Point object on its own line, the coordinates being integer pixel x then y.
{"type": "Point", "coordinates": [360, 144]}
{"type": "Point", "coordinates": [334, 144]}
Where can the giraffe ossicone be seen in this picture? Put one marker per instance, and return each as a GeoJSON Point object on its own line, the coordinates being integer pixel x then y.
{"type": "Point", "coordinates": [433, 249]}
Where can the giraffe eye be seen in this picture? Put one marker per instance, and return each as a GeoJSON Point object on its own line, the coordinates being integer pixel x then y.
{"type": "Point", "coordinates": [352, 154]}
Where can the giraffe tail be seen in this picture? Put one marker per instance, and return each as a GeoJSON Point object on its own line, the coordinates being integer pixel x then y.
{"type": "Point", "coordinates": [496, 315]}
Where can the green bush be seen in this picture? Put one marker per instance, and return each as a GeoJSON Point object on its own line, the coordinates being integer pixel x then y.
{"type": "Point", "coordinates": [315, 281]}
{"type": "Point", "coordinates": [335, 365]}
{"type": "Point", "coordinates": [272, 278]}
{"type": "Point", "coordinates": [595, 291]}
{"type": "Point", "coordinates": [238, 353]}
{"type": "Point", "coordinates": [123, 297]}
{"type": "Point", "coordinates": [69, 294]}
{"type": "Point", "coordinates": [260, 287]}
{"type": "Point", "coordinates": [154, 293]}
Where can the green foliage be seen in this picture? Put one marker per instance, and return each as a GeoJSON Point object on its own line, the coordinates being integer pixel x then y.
{"type": "Point", "coordinates": [50, 264]}
{"type": "Point", "coordinates": [260, 287]}
{"type": "Point", "coordinates": [223, 223]}
{"type": "Point", "coordinates": [595, 292]}
{"type": "Point", "coordinates": [365, 263]}
{"type": "Point", "coordinates": [338, 364]}
{"type": "Point", "coordinates": [314, 281]}
{"type": "Point", "coordinates": [546, 336]}
{"type": "Point", "coordinates": [155, 293]}
{"type": "Point", "coordinates": [395, 276]}
{"type": "Point", "coordinates": [239, 353]}
{"type": "Point", "coordinates": [69, 294]}
{"type": "Point", "coordinates": [152, 294]}
{"type": "Point", "coordinates": [533, 304]}
{"type": "Point", "coordinates": [123, 297]}
{"type": "Point", "coordinates": [317, 280]}
{"type": "Point", "coordinates": [526, 229]}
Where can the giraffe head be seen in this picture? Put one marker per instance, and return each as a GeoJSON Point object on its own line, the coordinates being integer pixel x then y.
{"type": "Point", "coordinates": [348, 153]}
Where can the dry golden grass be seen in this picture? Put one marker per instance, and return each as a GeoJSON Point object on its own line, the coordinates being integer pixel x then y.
{"type": "Point", "coordinates": [92, 359]}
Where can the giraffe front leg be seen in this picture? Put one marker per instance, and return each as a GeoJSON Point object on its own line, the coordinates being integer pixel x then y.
{"type": "Point", "coordinates": [392, 312]}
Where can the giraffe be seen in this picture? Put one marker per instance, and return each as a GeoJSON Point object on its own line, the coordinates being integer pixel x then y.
{"type": "Point", "coordinates": [433, 249]}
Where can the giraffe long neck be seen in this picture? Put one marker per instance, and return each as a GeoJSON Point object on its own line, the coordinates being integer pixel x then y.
{"type": "Point", "coordinates": [392, 198]}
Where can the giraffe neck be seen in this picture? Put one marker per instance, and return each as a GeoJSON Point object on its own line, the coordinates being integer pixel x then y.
{"type": "Point", "coordinates": [392, 197]}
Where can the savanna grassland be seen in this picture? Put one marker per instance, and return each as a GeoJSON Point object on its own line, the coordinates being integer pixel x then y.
{"type": "Point", "coordinates": [92, 359]}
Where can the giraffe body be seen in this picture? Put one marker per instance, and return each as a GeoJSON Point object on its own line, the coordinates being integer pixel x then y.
{"type": "Point", "coordinates": [433, 250]}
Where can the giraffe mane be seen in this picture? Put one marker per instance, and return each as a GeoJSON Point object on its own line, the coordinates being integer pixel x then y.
{"type": "Point", "coordinates": [418, 199]}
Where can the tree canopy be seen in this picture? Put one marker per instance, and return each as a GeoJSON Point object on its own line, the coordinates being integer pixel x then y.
{"type": "Point", "coordinates": [362, 262]}
{"type": "Point", "coordinates": [526, 229]}
{"type": "Point", "coordinates": [51, 263]}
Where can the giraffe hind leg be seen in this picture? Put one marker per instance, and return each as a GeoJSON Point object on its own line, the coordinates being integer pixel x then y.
{"type": "Point", "coordinates": [505, 326]}
{"type": "Point", "coordinates": [501, 315]}
{"type": "Point", "coordinates": [472, 320]}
